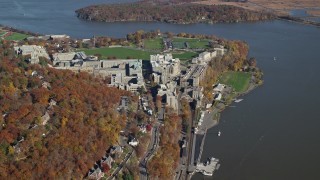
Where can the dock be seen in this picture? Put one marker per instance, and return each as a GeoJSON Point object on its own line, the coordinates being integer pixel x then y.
{"type": "Point", "coordinates": [207, 168]}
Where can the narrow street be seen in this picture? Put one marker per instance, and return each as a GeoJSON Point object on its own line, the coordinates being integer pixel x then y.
{"type": "Point", "coordinates": [153, 146]}
{"type": "Point", "coordinates": [189, 163]}
{"type": "Point", "coordinates": [115, 173]}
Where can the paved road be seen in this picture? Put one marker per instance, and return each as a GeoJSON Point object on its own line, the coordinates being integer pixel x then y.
{"type": "Point", "coordinates": [151, 150]}
{"type": "Point", "coordinates": [189, 162]}
{"type": "Point", "coordinates": [115, 173]}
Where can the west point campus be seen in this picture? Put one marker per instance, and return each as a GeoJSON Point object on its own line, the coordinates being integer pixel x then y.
{"type": "Point", "coordinates": [127, 74]}
{"type": "Point", "coordinates": [175, 81]}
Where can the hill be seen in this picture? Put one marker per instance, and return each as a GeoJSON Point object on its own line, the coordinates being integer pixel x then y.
{"type": "Point", "coordinates": [54, 124]}
{"type": "Point", "coordinates": [182, 13]}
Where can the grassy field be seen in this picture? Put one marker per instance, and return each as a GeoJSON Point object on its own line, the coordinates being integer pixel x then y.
{"type": "Point", "coordinates": [119, 52]}
{"type": "Point", "coordinates": [16, 37]}
{"type": "Point", "coordinates": [238, 80]}
{"type": "Point", "coordinates": [124, 53]}
{"type": "Point", "coordinates": [193, 43]}
{"type": "Point", "coordinates": [153, 43]}
{"type": "Point", "coordinates": [185, 55]}
{"type": "Point", "coordinates": [2, 33]}
{"type": "Point", "coordinates": [178, 45]}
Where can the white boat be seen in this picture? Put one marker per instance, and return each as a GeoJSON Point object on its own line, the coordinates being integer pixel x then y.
{"type": "Point", "coordinates": [207, 173]}
{"type": "Point", "coordinates": [219, 133]}
{"type": "Point", "coordinates": [274, 58]}
{"type": "Point", "coordinates": [238, 100]}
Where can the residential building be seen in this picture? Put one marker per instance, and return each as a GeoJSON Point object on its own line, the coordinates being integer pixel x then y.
{"type": "Point", "coordinates": [220, 50]}
{"type": "Point", "coordinates": [45, 118]}
{"type": "Point", "coordinates": [95, 173]}
{"type": "Point", "coordinates": [115, 150]}
{"type": "Point", "coordinates": [218, 87]}
{"type": "Point", "coordinates": [217, 96]}
{"type": "Point", "coordinates": [134, 142]}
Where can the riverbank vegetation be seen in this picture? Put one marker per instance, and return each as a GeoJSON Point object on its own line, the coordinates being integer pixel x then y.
{"type": "Point", "coordinates": [12, 34]}
{"type": "Point", "coordinates": [182, 13]}
{"type": "Point", "coordinates": [234, 69]}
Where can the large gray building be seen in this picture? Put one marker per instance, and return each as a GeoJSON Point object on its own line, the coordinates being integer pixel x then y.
{"type": "Point", "coordinates": [194, 75]}
{"type": "Point", "coordinates": [34, 51]}
{"type": "Point", "coordinates": [125, 74]}
{"type": "Point", "coordinates": [164, 67]}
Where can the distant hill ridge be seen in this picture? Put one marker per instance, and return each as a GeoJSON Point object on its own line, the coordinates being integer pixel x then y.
{"type": "Point", "coordinates": [173, 11]}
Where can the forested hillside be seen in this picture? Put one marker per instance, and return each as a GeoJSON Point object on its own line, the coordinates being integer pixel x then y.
{"type": "Point", "coordinates": [170, 13]}
{"type": "Point", "coordinates": [54, 123]}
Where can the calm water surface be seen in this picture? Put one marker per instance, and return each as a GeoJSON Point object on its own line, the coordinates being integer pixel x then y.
{"type": "Point", "coordinates": [274, 133]}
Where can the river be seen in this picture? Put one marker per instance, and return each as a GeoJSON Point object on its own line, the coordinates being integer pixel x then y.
{"type": "Point", "coordinates": [274, 132]}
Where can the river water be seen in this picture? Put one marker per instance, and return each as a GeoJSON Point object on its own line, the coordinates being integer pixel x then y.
{"type": "Point", "coordinates": [274, 133]}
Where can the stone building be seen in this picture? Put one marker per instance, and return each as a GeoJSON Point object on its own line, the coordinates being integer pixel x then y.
{"type": "Point", "coordinates": [125, 74]}
{"type": "Point", "coordinates": [168, 92]}
{"type": "Point", "coordinates": [34, 51]}
{"type": "Point", "coordinates": [165, 67]}
{"type": "Point", "coordinates": [194, 75]}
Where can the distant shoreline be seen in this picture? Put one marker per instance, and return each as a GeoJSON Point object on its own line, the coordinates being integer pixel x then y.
{"type": "Point", "coordinates": [299, 20]}
{"type": "Point", "coordinates": [8, 28]}
{"type": "Point", "coordinates": [184, 13]}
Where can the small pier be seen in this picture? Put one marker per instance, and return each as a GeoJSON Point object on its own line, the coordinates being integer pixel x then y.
{"type": "Point", "coordinates": [207, 168]}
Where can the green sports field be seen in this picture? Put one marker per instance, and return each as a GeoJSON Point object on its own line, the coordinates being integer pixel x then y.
{"type": "Point", "coordinates": [192, 43]}
{"type": "Point", "coordinates": [185, 55]}
{"type": "Point", "coordinates": [238, 80]}
{"type": "Point", "coordinates": [125, 53]}
{"type": "Point", "coordinates": [16, 37]}
{"type": "Point", "coordinates": [153, 43]}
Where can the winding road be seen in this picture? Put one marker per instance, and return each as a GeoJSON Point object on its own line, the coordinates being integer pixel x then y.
{"type": "Point", "coordinates": [153, 146]}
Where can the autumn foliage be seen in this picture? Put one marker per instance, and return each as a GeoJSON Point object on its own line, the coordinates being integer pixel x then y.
{"type": "Point", "coordinates": [233, 60]}
{"type": "Point", "coordinates": [170, 13]}
{"type": "Point", "coordinates": [82, 125]}
{"type": "Point", "coordinates": [166, 159]}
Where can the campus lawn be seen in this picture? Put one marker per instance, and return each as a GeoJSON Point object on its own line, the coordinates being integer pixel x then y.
{"type": "Point", "coordinates": [185, 55]}
{"type": "Point", "coordinates": [178, 44]}
{"type": "Point", "coordinates": [119, 52]}
{"type": "Point", "coordinates": [193, 43]}
{"type": "Point", "coordinates": [16, 37]}
{"type": "Point", "coordinates": [238, 80]}
{"type": "Point", "coordinates": [124, 53]}
{"type": "Point", "coordinates": [153, 43]}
